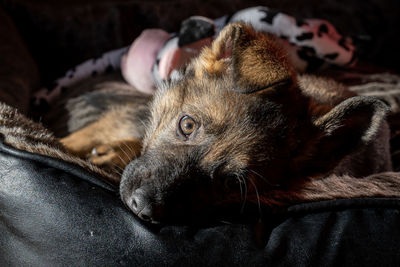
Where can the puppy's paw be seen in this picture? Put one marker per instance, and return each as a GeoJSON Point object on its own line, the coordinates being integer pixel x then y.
{"type": "Point", "coordinates": [115, 155]}
{"type": "Point", "coordinates": [75, 146]}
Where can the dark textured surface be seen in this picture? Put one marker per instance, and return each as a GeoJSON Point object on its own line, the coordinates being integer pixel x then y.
{"type": "Point", "coordinates": [19, 73]}
{"type": "Point", "coordinates": [54, 216]}
{"type": "Point", "coordinates": [61, 34]}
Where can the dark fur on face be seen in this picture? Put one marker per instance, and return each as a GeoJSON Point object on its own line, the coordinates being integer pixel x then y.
{"type": "Point", "coordinates": [239, 127]}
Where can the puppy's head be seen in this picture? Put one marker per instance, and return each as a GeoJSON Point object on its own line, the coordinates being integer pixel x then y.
{"type": "Point", "coordinates": [236, 126]}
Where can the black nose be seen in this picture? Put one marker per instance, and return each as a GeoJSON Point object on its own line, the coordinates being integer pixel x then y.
{"type": "Point", "coordinates": [144, 207]}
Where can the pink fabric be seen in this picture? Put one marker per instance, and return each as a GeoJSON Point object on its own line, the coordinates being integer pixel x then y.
{"type": "Point", "coordinates": [168, 62]}
{"type": "Point", "coordinates": [136, 65]}
{"type": "Point", "coordinates": [177, 57]}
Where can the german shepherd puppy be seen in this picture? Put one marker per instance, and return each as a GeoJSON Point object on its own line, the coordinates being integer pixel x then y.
{"type": "Point", "coordinates": [240, 125]}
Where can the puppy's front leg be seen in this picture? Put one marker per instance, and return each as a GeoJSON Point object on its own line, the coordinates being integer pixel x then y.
{"type": "Point", "coordinates": [81, 142]}
{"type": "Point", "coordinates": [117, 154]}
{"type": "Point", "coordinates": [106, 142]}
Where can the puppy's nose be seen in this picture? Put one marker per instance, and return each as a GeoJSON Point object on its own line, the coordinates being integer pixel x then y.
{"type": "Point", "coordinates": [143, 206]}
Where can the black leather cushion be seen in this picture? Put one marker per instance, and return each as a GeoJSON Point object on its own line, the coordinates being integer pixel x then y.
{"type": "Point", "coordinates": [56, 214]}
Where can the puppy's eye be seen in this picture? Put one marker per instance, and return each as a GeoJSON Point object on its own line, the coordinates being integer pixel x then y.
{"type": "Point", "coordinates": [187, 125]}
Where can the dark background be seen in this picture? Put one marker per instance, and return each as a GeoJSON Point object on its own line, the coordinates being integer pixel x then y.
{"type": "Point", "coordinates": [63, 33]}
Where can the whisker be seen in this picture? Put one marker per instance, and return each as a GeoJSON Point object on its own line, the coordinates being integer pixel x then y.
{"type": "Point", "coordinates": [245, 194]}
{"type": "Point", "coordinates": [265, 179]}
{"type": "Point", "coordinates": [144, 123]}
{"type": "Point", "coordinates": [126, 154]}
{"type": "Point", "coordinates": [119, 168]}
{"type": "Point", "coordinates": [258, 197]}
{"type": "Point", "coordinates": [122, 160]}
{"type": "Point", "coordinates": [262, 177]}
{"type": "Point", "coordinates": [132, 150]}
{"type": "Point", "coordinates": [115, 169]}
{"type": "Point", "coordinates": [240, 187]}
{"type": "Point", "coordinates": [117, 172]}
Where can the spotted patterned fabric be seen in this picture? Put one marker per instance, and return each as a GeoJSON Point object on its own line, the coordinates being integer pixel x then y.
{"type": "Point", "coordinates": [108, 62]}
{"type": "Point", "coordinates": [311, 44]}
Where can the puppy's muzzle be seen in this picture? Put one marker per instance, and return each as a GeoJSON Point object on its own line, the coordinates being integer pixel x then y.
{"type": "Point", "coordinates": [142, 204]}
{"type": "Point", "coordinates": [163, 191]}
{"type": "Point", "coordinates": [139, 191]}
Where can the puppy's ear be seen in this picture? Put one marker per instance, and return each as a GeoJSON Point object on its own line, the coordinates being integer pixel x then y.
{"type": "Point", "coordinates": [255, 60]}
{"type": "Point", "coordinates": [348, 126]}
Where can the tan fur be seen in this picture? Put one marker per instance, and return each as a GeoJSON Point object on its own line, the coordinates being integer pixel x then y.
{"type": "Point", "coordinates": [109, 128]}
{"type": "Point", "coordinates": [258, 58]}
{"type": "Point", "coordinates": [116, 153]}
{"type": "Point", "coordinates": [115, 141]}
